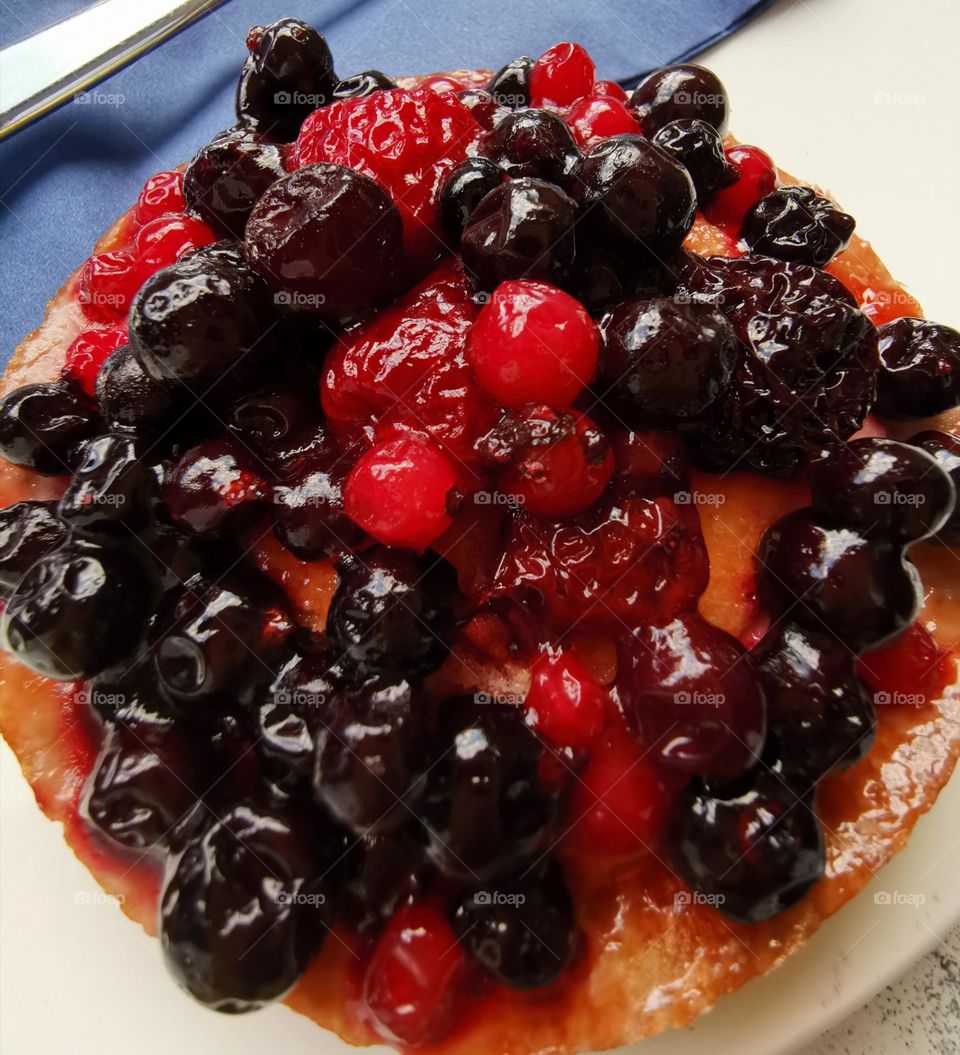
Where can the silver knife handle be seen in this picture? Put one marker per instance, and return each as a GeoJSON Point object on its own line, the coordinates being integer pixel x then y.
{"type": "Point", "coordinates": [61, 62]}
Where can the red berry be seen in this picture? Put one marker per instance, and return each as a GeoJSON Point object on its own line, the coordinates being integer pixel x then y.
{"type": "Point", "coordinates": [108, 282]}
{"type": "Point", "coordinates": [758, 177]}
{"type": "Point", "coordinates": [564, 703]}
{"type": "Point", "coordinates": [410, 984]}
{"type": "Point", "coordinates": [620, 804]}
{"type": "Point", "coordinates": [911, 668]}
{"type": "Point", "coordinates": [88, 352]}
{"type": "Point", "coordinates": [595, 117]}
{"type": "Point", "coordinates": [557, 463]}
{"type": "Point", "coordinates": [161, 194]}
{"type": "Point", "coordinates": [408, 141]}
{"type": "Point", "coordinates": [561, 75]}
{"type": "Point", "coordinates": [164, 240]}
{"type": "Point", "coordinates": [398, 491]}
{"type": "Point", "coordinates": [533, 343]}
{"type": "Point", "coordinates": [610, 90]}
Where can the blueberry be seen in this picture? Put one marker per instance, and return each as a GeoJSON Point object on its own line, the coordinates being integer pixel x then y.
{"type": "Point", "coordinates": [463, 190]}
{"type": "Point", "coordinates": [77, 610]}
{"type": "Point", "coordinates": [510, 85]}
{"type": "Point", "coordinates": [288, 74]}
{"type": "Point", "coordinates": [919, 369]}
{"type": "Point", "coordinates": [698, 146]}
{"type": "Point", "coordinates": [665, 361]}
{"type": "Point", "coordinates": [28, 531]}
{"type": "Point", "coordinates": [521, 229]}
{"type": "Point", "coordinates": [387, 870]}
{"type": "Point", "coordinates": [228, 177]}
{"type": "Point", "coordinates": [129, 397]}
{"type": "Point", "coordinates": [883, 489]}
{"type": "Point", "coordinates": [214, 485]}
{"type": "Point", "coordinates": [635, 197]}
{"type": "Point", "coordinates": [535, 143]}
{"type": "Point", "coordinates": [110, 485]}
{"type": "Point", "coordinates": [360, 85]}
{"type": "Point", "coordinates": [797, 225]}
{"type": "Point", "coordinates": [945, 448]}
{"type": "Point", "coordinates": [42, 425]}
{"type": "Point", "coordinates": [684, 92]}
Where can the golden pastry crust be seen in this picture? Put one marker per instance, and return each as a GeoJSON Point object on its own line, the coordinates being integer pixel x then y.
{"type": "Point", "coordinates": [652, 962]}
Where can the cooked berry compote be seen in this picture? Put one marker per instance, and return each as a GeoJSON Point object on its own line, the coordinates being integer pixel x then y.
{"type": "Point", "coordinates": [395, 397]}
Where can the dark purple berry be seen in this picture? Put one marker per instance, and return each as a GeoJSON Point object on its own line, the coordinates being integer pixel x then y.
{"type": "Point", "coordinates": [521, 229]}
{"type": "Point", "coordinates": [369, 756]}
{"type": "Point", "coordinates": [884, 489]}
{"type": "Point", "coordinates": [228, 177]}
{"type": "Point", "coordinates": [328, 240]}
{"type": "Point", "coordinates": [288, 74]}
{"type": "Point", "coordinates": [510, 85]}
{"type": "Point", "coordinates": [78, 610]}
{"type": "Point", "coordinates": [28, 531]}
{"type": "Point", "coordinates": [820, 716]}
{"type": "Point", "coordinates": [806, 377]}
{"type": "Point", "coordinates": [919, 369]}
{"type": "Point", "coordinates": [664, 361]}
{"type": "Point", "coordinates": [487, 112]}
{"type": "Point", "coordinates": [685, 92]}
{"type": "Point", "coordinates": [212, 484]}
{"type": "Point", "coordinates": [535, 143]}
{"type": "Point", "coordinates": [388, 610]}
{"type": "Point", "coordinates": [129, 397]}
{"type": "Point", "coordinates": [486, 811]}
{"type": "Point", "coordinates": [698, 146]}
{"type": "Point", "coordinates": [272, 421]}
{"type": "Point", "coordinates": [202, 320]}
{"type": "Point", "coordinates": [110, 485]}
{"type": "Point", "coordinates": [360, 85]}
{"type": "Point", "coordinates": [244, 907]}
{"type": "Point", "coordinates": [797, 225]}
{"type": "Point", "coordinates": [833, 578]}
{"type": "Point", "coordinates": [754, 849]}
{"type": "Point", "coordinates": [42, 425]}
{"type": "Point", "coordinates": [463, 190]}
{"type": "Point", "coordinates": [945, 448]}
{"type": "Point", "coordinates": [524, 933]}
{"type": "Point", "coordinates": [387, 870]}
{"type": "Point", "coordinates": [635, 197]}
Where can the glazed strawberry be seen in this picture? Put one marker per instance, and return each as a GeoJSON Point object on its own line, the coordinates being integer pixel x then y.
{"type": "Point", "coordinates": [620, 804]}
{"type": "Point", "coordinates": [533, 343]}
{"type": "Point", "coordinates": [88, 352]}
{"type": "Point", "coordinates": [757, 178]}
{"type": "Point", "coordinates": [564, 704]}
{"type": "Point", "coordinates": [399, 492]}
{"type": "Point", "coordinates": [562, 74]}
{"type": "Point", "coordinates": [410, 983]}
{"type": "Point", "coordinates": [597, 117]}
{"type": "Point", "coordinates": [161, 194]}
{"type": "Point", "coordinates": [408, 141]}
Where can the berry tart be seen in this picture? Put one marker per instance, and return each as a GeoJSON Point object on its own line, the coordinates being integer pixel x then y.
{"type": "Point", "coordinates": [475, 555]}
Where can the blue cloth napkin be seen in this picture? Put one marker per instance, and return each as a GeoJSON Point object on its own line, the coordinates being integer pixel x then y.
{"type": "Point", "coordinates": [66, 178]}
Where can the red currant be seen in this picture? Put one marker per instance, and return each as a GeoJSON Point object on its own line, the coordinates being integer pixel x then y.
{"type": "Point", "coordinates": [610, 90]}
{"type": "Point", "coordinates": [398, 491]}
{"type": "Point", "coordinates": [561, 465]}
{"type": "Point", "coordinates": [620, 804]}
{"type": "Point", "coordinates": [533, 342]}
{"type": "Point", "coordinates": [564, 703]}
{"type": "Point", "coordinates": [595, 117]}
{"type": "Point", "coordinates": [164, 240]}
{"type": "Point", "coordinates": [758, 177]}
{"type": "Point", "coordinates": [108, 283]}
{"type": "Point", "coordinates": [410, 984]}
{"type": "Point", "coordinates": [561, 75]}
{"type": "Point", "coordinates": [161, 194]}
{"type": "Point", "coordinates": [88, 352]}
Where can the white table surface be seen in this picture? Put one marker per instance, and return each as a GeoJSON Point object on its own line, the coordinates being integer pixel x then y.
{"type": "Point", "coordinates": [859, 95]}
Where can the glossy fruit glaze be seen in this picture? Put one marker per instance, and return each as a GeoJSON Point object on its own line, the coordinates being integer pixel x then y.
{"type": "Point", "coordinates": [616, 920]}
